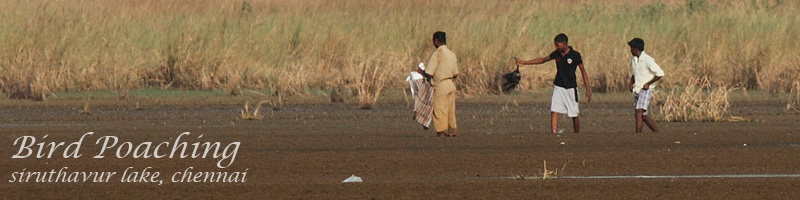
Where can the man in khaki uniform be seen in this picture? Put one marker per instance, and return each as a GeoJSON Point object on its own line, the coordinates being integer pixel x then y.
{"type": "Point", "coordinates": [443, 68]}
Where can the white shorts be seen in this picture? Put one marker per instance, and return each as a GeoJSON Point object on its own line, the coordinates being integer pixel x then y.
{"type": "Point", "coordinates": [565, 101]}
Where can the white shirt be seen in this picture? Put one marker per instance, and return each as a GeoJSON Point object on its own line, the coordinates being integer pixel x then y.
{"type": "Point", "coordinates": [644, 70]}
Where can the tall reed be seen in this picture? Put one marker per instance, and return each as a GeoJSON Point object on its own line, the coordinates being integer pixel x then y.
{"type": "Point", "coordinates": [290, 47]}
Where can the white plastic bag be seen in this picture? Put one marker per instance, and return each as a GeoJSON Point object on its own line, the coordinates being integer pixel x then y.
{"type": "Point", "coordinates": [414, 75]}
{"type": "Point", "coordinates": [352, 179]}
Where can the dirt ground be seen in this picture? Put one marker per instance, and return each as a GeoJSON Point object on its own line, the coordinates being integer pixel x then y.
{"type": "Point", "coordinates": [305, 151]}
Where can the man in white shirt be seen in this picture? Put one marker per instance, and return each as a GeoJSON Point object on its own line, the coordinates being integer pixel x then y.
{"type": "Point", "coordinates": [645, 74]}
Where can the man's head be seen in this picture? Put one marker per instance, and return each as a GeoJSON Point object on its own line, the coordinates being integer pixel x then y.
{"type": "Point", "coordinates": [637, 46]}
{"type": "Point", "coordinates": [562, 42]}
{"type": "Point", "coordinates": [439, 39]}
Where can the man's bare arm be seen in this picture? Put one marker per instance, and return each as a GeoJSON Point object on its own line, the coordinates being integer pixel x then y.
{"type": "Point", "coordinates": [630, 84]}
{"type": "Point", "coordinates": [586, 83]}
{"type": "Point", "coordinates": [647, 85]}
{"type": "Point", "coordinates": [534, 61]}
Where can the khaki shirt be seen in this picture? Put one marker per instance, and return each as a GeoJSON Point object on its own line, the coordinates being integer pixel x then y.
{"type": "Point", "coordinates": [443, 66]}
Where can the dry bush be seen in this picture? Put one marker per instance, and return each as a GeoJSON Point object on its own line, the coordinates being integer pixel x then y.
{"type": "Point", "coordinates": [24, 85]}
{"type": "Point", "coordinates": [86, 109]}
{"type": "Point", "coordinates": [479, 79]}
{"type": "Point", "coordinates": [338, 90]}
{"type": "Point", "coordinates": [22, 75]}
{"type": "Point", "coordinates": [183, 67]}
{"type": "Point", "coordinates": [746, 73]}
{"type": "Point", "coordinates": [608, 80]}
{"type": "Point", "coordinates": [246, 114]}
{"type": "Point", "coordinates": [780, 78]}
{"type": "Point", "coordinates": [794, 97]}
{"type": "Point", "coordinates": [699, 101]}
{"type": "Point", "coordinates": [371, 84]}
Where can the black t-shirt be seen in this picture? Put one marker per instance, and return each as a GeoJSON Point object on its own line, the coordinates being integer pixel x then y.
{"type": "Point", "coordinates": [566, 65]}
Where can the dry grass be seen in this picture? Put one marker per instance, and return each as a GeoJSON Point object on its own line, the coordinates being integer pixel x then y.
{"type": "Point", "coordinates": [86, 109]}
{"type": "Point", "coordinates": [290, 47]}
{"type": "Point", "coordinates": [699, 101]}
{"type": "Point", "coordinates": [18, 83]}
{"type": "Point", "coordinates": [246, 114]}
{"type": "Point", "coordinates": [545, 173]}
{"type": "Point", "coordinates": [370, 84]}
{"type": "Point", "coordinates": [794, 97]}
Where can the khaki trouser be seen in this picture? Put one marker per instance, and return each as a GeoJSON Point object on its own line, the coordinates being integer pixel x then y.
{"type": "Point", "coordinates": [444, 111]}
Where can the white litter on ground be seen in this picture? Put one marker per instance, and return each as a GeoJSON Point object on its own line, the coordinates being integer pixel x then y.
{"type": "Point", "coordinates": [352, 179]}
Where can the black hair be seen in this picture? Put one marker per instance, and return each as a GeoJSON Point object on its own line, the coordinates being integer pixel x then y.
{"type": "Point", "coordinates": [440, 36]}
{"type": "Point", "coordinates": [562, 38]}
{"type": "Point", "coordinates": [637, 43]}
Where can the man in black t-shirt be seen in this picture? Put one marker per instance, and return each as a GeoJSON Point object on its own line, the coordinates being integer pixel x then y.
{"type": "Point", "coordinates": [565, 89]}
